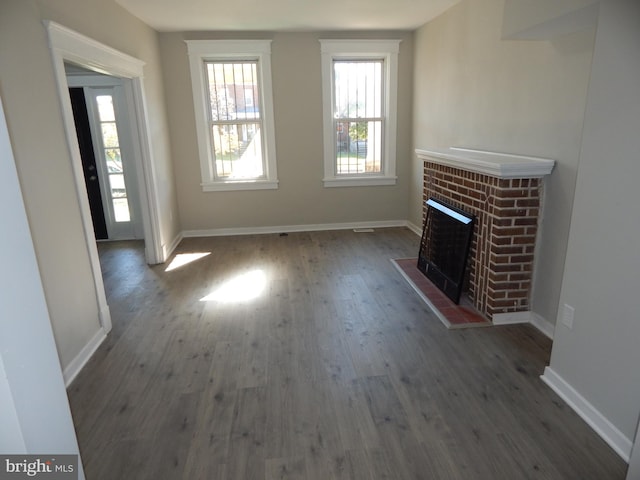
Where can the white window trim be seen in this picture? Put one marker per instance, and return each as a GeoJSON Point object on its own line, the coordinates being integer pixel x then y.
{"type": "Point", "coordinates": [207, 50]}
{"type": "Point", "coordinates": [361, 49]}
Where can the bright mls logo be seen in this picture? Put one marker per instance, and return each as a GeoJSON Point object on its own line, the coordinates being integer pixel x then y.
{"type": "Point", "coordinates": [51, 467]}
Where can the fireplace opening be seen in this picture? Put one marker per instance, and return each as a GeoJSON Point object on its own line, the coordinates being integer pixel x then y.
{"type": "Point", "coordinates": [444, 247]}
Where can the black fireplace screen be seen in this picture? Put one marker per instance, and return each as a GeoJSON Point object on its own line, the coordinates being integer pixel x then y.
{"type": "Point", "coordinates": [446, 239]}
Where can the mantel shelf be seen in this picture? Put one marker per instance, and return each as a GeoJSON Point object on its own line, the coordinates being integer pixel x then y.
{"type": "Point", "coordinates": [501, 165]}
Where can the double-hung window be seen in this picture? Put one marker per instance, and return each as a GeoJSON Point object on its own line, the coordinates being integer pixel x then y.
{"type": "Point", "coordinates": [359, 97]}
{"type": "Point", "coordinates": [231, 82]}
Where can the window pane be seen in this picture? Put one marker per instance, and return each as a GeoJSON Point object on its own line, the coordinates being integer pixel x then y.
{"type": "Point", "coordinates": [233, 90]}
{"type": "Point", "coordinates": [121, 210]}
{"type": "Point", "coordinates": [238, 150]}
{"type": "Point", "coordinates": [116, 182]}
{"type": "Point", "coordinates": [109, 135]}
{"type": "Point", "coordinates": [359, 148]}
{"type": "Point", "coordinates": [358, 89]}
{"type": "Point", "coordinates": [114, 162]}
{"type": "Point", "coordinates": [105, 108]}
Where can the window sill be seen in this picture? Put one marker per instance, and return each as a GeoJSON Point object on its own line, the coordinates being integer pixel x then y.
{"type": "Point", "coordinates": [240, 185]}
{"type": "Point", "coordinates": [358, 181]}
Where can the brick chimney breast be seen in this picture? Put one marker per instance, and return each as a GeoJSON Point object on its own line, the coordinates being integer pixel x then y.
{"type": "Point", "coordinates": [504, 192]}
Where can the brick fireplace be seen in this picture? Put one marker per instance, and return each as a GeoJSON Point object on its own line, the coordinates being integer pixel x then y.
{"type": "Point", "coordinates": [504, 192]}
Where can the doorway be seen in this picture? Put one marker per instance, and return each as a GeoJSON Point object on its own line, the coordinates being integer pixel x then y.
{"type": "Point", "coordinates": [70, 47]}
{"type": "Point", "coordinates": [106, 150]}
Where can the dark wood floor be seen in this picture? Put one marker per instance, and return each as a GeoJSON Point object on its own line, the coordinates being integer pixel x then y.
{"type": "Point", "coordinates": [335, 370]}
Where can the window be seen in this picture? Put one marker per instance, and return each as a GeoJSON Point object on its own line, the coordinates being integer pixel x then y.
{"type": "Point", "coordinates": [110, 152]}
{"type": "Point", "coordinates": [231, 82]}
{"type": "Point", "coordinates": [359, 95]}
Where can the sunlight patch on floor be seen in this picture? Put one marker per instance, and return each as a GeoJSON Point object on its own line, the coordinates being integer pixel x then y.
{"type": "Point", "coordinates": [182, 259]}
{"type": "Point", "coordinates": [241, 288]}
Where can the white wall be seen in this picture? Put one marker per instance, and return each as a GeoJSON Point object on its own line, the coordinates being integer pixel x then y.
{"type": "Point", "coordinates": [474, 89]}
{"type": "Point", "coordinates": [546, 18]}
{"type": "Point", "coordinates": [600, 356]}
{"type": "Point", "coordinates": [42, 156]}
{"type": "Point", "coordinates": [34, 413]}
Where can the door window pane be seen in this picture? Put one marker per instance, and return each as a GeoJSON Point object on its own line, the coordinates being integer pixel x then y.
{"type": "Point", "coordinates": [116, 183]}
{"type": "Point", "coordinates": [117, 190]}
{"type": "Point", "coordinates": [105, 108]}
{"type": "Point", "coordinates": [121, 210]}
{"type": "Point", "coordinates": [110, 135]}
{"type": "Point", "coordinates": [114, 162]}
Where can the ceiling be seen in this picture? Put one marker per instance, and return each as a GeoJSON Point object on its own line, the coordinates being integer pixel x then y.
{"type": "Point", "coordinates": [285, 15]}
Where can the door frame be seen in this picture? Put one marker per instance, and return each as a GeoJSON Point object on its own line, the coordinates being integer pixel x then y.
{"type": "Point", "coordinates": [68, 45]}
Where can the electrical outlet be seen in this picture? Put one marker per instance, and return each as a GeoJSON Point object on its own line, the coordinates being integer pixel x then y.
{"type": "Point", "coordinates": [567, 316]}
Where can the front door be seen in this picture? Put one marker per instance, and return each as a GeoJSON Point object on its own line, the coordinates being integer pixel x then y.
{"type": "Point", "coordinates": [113, 151]}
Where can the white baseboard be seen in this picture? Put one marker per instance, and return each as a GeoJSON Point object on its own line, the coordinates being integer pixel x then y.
{"type": "Point", "coordinates": [414, 228]}
{"type": "Point", "coordinates": [603, 427]}
{"type": "Point", "coordinates": [542, 324]}
{"type": "Point", "coordinates": [167, 251]}
{"type": "Point", "coordinates": [105, 318]}
{"type": "Point", "coordinates": [512, 318]}
{"type": "Point", "coordinates": [220, 232]}
{"type": "Point", "coordinates": [74, 367]}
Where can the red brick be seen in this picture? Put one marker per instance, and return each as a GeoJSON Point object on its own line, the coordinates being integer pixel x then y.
{"type": "Point", "coordinates": [504, 286]}
{"type": "Point", "coordinates": [508, 231]}
{"type": "Point", "coordinates": [513, 193]}
{"type": "Point", "coordinates": [525, 221]}
{"type": "Point", "coordinates": [517, 294]}
{"type": "Point", "coordinates": [504, 267]}
{"type": "Point", "coordinates": [526, 240]}
{"type": "Point", "coordinates": [510, 212]}
{"type": "Point", "coordinates": [528, 202]}
{"type": "Point", "coordinates": [495, 240]}
{"type": "Point", "coordinates": [508, 250]}
{"type": "Point", "coordinates": [517, 277]}
{"type": "Point", "coordinates": [504, 222]}
{"type": "Point", "coordinates": [522, 258]}
{"type": "Point", "coordinates": [505, 202]}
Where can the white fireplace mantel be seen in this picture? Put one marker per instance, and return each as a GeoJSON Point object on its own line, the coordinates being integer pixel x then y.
{"type": "Point", "coordinates": [501, 165]}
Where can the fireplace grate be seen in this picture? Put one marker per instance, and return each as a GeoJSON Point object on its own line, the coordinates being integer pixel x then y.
{"type": "Point", "coordinates": [444, 247]}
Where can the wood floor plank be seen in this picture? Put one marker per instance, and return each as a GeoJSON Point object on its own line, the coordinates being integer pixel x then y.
{"type": "Point", "coordinates": [394, 429]}
{"type": "Point", "coordinates": [209, 446]}
{"type": "Point", "coordinates": [168, 453]}
{"type": "Point", "coordinates": [352, 464]}
{"type": "Point", "coordinates": [286, 469]}
{"type": "Point", "coordinates": [355, 423]}
{"type": "Point", "coordinates": [247, 436]}
{"type": "Point", "coordinates": [332, 369]}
